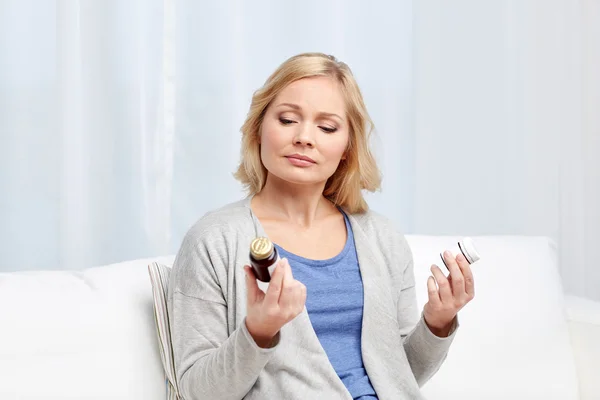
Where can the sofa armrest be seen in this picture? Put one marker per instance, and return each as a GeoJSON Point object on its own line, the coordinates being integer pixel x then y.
{"type": "Point", "coordinates": [583, 317]}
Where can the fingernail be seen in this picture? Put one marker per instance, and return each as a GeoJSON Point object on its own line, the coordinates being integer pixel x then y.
{"type": "Point", "coordinates": [447, 253]}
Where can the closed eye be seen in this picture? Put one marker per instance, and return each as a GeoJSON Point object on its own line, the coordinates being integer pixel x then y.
{"type": "Point", "coordinates": [286, 121]}
{"type": "Point", "coordinates": [326, 129]}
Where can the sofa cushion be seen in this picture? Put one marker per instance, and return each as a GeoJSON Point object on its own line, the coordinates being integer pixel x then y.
{"type": "Point", "coordinates": [583, 316]}
{"type": "Point", "coordinates": [513, 341]}
{"type": "Point", "coordinates": [91, 334]}
{"type": "Point", "coordinates": [85, 334]}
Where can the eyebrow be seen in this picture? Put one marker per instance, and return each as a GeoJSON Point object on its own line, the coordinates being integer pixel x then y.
{"type": "Point", "coordinates": [297, 107]}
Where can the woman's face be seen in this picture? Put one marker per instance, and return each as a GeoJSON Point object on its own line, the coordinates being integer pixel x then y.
{"type": "Point", "coordinates": [304, 133]}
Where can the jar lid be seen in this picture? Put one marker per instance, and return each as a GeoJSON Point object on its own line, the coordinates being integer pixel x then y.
{"type": "Point", "coordinates": [261, 248]}
{"type": "Point", "coordinates": [468, 248]}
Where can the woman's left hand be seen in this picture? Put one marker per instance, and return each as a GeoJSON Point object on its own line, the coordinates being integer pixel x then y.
{"type": "Point", "coordinates": [450, 294]}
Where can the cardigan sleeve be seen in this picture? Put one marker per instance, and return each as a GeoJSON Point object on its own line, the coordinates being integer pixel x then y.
{"type": "Point", "coordinates": [425, 351]}
{"type": "Point", "coordinates": [209, 363]}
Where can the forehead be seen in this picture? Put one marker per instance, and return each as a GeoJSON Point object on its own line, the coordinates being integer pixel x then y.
{"type": "Point", "coordinates": [320, 94]}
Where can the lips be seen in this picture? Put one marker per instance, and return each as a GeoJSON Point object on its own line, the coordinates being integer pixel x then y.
{"type": "Point", "coordinates": [301, 157]}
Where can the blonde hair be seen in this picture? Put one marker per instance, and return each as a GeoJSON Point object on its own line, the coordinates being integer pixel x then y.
{"type": "Point", "coordinates": [356, 172]}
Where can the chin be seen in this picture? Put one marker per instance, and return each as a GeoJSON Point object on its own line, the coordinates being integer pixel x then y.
{"type": "Point", "coordinates": [299, 180]}
{"type": "Point", "coordinates": [298, 177]}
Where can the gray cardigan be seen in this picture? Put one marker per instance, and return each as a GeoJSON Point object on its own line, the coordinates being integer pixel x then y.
{"type": "Point", "coordinates": [216, 358]}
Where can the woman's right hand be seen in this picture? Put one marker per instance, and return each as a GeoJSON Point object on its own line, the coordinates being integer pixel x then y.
{"type": "Point", "coordinates": [268, 312]}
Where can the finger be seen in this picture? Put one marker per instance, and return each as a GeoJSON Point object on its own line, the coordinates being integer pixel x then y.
{"type": "Point", "coordinates": [432, 291]}
{"type": "Point", "coordinates": [464, 266]}
{"type": "Point", "coordinates": [293, 298]}
{"type": "Point", "coordinates": [288, 277]}
{"type": "Point", "coordinates": [303, 292]}
{"type": "Point", "coordinates": [289, 289]}
{"type": "Point", "coordinates": [275, 285]}
{"type": "Point", "coordinates": [300, 297]}
{"type": "Point", "coordinates": [286, 298]}
{"type": "Point", "coordinates": [299, 289]}
{"type": "Point", "coordinates": [251, 285]}
{"type": "Point", "coordinates": [443, 284]}
{"type": "Point", "coordinates": [458, 282]}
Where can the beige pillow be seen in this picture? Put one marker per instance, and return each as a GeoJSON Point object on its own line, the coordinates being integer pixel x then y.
{"type": "Point", "coordinates": [159, 277]}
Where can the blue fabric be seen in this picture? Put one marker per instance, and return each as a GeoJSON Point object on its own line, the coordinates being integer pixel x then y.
{"type": "Point", "coordinates": [334, 303]}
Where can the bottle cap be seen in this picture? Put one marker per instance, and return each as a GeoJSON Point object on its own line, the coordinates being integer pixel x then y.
{"type": "Point", "coordinates": [261, 248]}
{"type": "Point", "coordinates": [468, 248]}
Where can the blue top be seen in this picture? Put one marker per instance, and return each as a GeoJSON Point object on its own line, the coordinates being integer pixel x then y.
{"type": "Point", "coordinates": [334, 303]}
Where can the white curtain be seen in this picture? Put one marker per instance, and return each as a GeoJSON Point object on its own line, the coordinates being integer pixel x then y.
{"type": "Point", "coordinates": [86, 131]}
{"type": "Point", "coordinates": [507, 125]}
{"type": "Point", "coordinates": [119, 120]}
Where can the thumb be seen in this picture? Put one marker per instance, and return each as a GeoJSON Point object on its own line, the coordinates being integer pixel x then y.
{"type": "Point", "coordinates": [251, 285]}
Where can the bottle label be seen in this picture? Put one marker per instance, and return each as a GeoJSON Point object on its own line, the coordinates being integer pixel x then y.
{"type": "Point", "coordinates": [272, 267]}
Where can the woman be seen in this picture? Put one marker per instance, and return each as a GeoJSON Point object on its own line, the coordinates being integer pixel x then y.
{"type": "Point", "coordinates": [339, 318]}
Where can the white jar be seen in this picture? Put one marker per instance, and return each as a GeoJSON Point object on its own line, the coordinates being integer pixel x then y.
{"type": "Point", "coordinates": [467, 248]}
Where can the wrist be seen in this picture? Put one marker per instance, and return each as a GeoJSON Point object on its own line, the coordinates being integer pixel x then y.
{"type": "Point", "coordinates": [440, 329]}
{"type": "Point", "coordinates": [263, 340]}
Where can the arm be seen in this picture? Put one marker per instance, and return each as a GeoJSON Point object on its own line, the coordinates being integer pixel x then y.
{"type": "Point", "coordinates": [209, 363]}
{"type": "Point", "coordinates": [425, 351]}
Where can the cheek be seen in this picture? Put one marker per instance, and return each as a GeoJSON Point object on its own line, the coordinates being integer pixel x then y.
{"type": "Point", "coordinates": [271, 140]}
{"type": "Point", "coordinates": [335, 149]}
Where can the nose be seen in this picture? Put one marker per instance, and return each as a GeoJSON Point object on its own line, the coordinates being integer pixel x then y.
{"type": "Point", "coordinates": [304, 137]}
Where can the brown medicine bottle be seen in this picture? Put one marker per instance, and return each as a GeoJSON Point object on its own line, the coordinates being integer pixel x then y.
{"type": "Point", "coordinates": [263, 258]}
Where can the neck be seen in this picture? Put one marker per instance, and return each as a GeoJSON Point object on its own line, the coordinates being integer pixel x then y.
{"type": "Point", "coordinates": [300, 204]}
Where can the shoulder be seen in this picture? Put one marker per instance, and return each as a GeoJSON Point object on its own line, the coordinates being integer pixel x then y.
{"type": "Point", "coordinates": [375, 223]}
{"type": "Point", "coordinates": [216, 233]}
{"type": "Point", "coordinates": [221, 223]}
{"type": "Point", "coordinates": [208, 248]}
{"type": "Point", "coordinates": [383, 234]}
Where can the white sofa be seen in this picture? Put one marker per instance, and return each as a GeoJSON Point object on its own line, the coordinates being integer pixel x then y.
{"type": "Point", "coordinates": [90, 334]}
